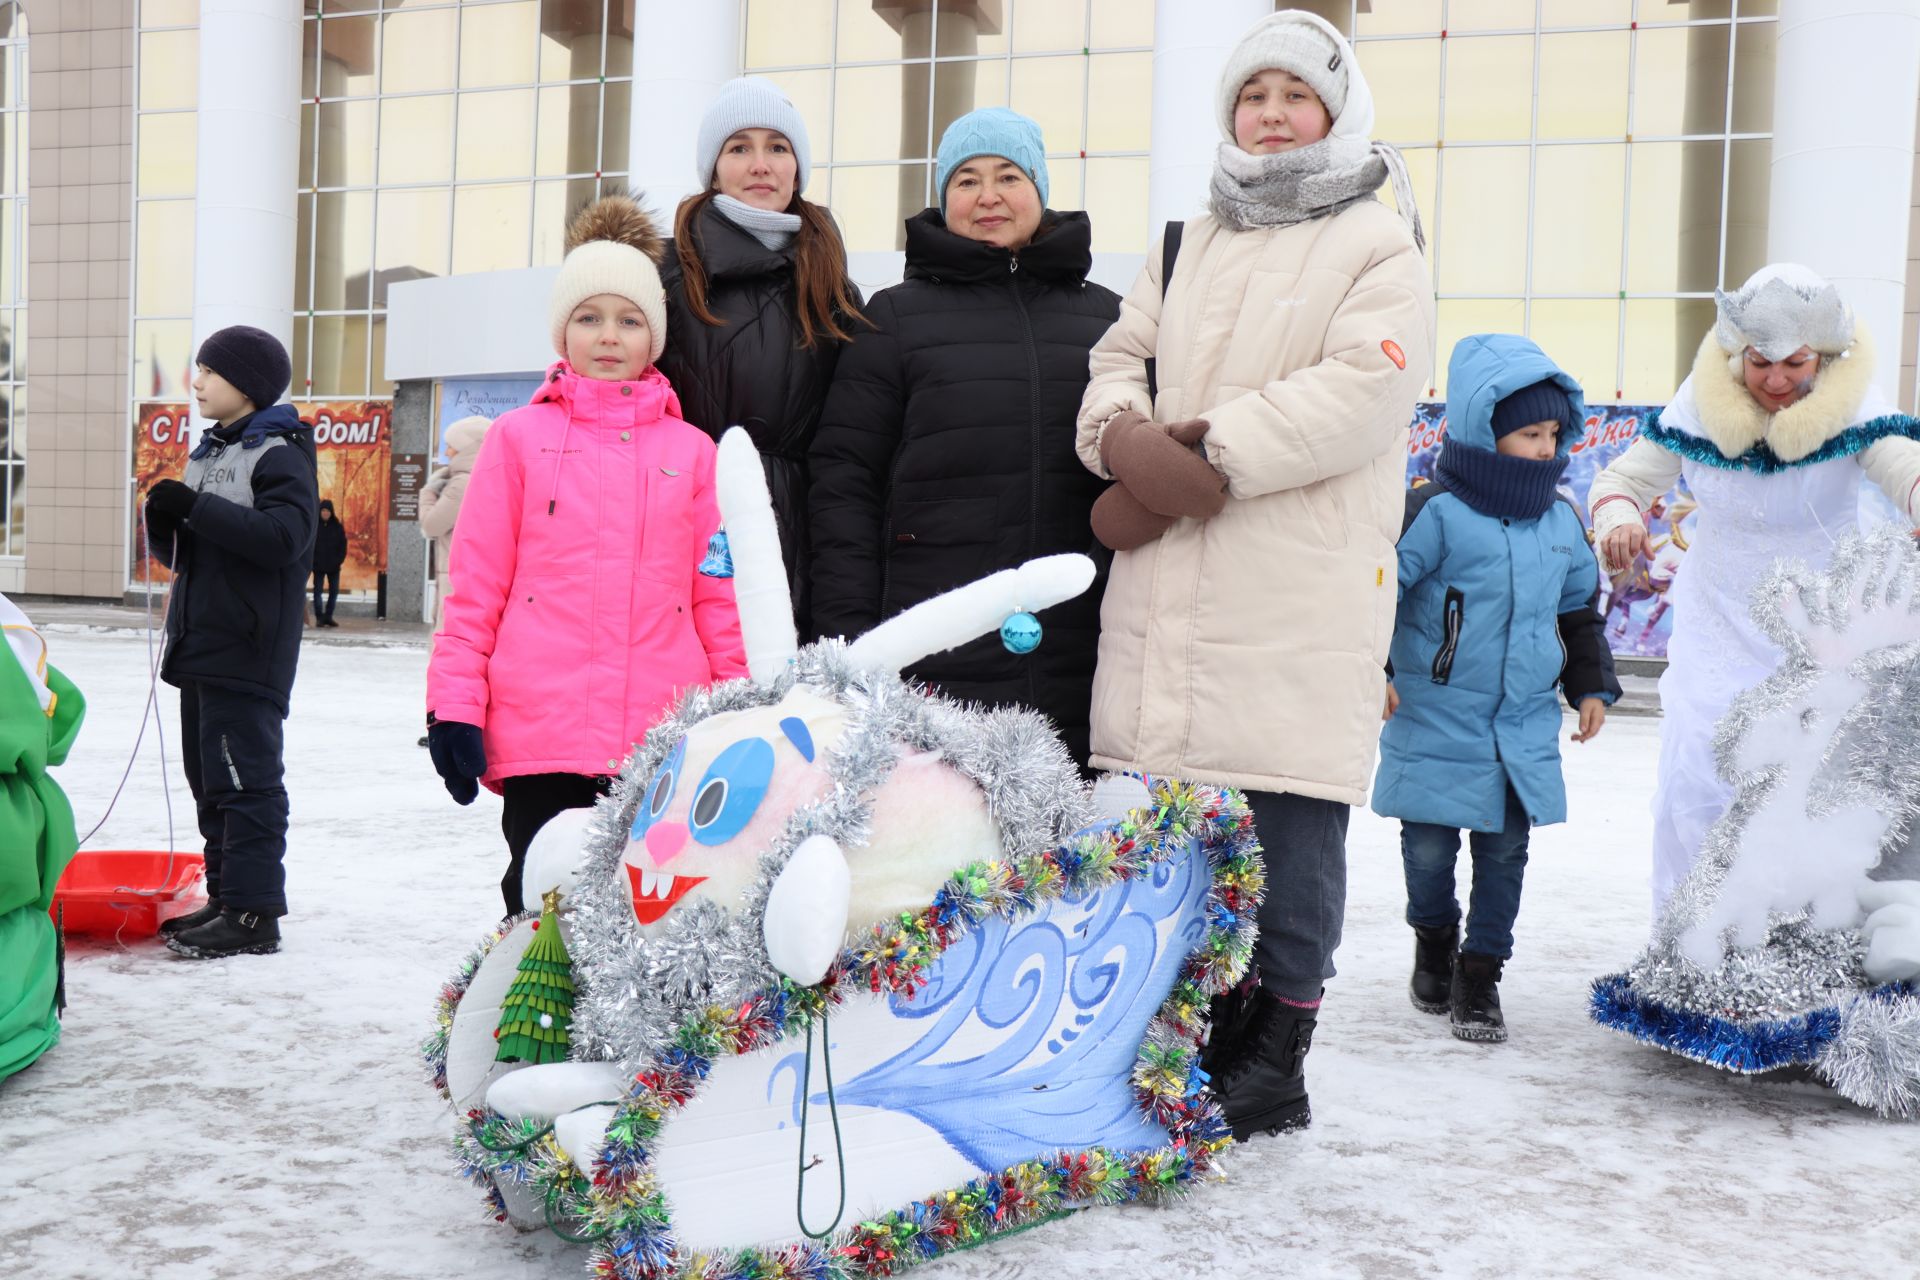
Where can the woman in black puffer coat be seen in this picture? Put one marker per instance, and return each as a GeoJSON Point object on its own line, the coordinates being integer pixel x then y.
{"type": "Point", "coordinates": [946, 449]}
{"type": "Point", "coordinates": [758, 300]}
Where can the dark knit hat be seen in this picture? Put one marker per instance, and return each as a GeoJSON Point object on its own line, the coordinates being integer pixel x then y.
{"type": "Point", "coordinates": [252, 360]}
{"type": "Point", "coordinates": [1544, 401]}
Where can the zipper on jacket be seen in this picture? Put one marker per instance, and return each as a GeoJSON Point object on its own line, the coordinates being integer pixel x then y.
{"type": "Point", "coordinates": [1033, 440]}
{"type": "Point", "coordinates": [886, 529]}
{"type": "Point", "coordinates": [1454, 613]}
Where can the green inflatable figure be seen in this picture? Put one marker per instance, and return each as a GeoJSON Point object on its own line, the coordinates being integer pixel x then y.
{"type": "Point", "coordinates": [40, 712]}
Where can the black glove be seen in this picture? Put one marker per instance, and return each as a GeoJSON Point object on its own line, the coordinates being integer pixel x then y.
{"type": "Point", "coordinates": [172, 498]}
{"type": "Point", "coordinates": [459, 756]}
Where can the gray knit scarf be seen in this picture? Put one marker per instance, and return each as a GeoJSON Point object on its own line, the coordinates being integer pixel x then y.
{"type": "Point", "coordinates": [1310, 182]}
{"type": "Point", "coordinates": [772, 229]}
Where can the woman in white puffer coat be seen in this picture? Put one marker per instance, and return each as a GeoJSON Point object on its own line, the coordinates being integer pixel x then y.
{"type": "Point", "coordinates": [1244, 628]}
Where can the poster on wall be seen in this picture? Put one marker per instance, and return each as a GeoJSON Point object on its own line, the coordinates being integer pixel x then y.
{"type": "Point", "coordinates": [1639, 619]}
{"type": "Point", "coordinates": [475, 397]}
{"type": "Point", "coordinates": [353, 441]}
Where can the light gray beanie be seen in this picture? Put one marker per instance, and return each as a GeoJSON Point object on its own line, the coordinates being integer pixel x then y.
{"type": "Point", "coordinates": [750, 102]}
{"type": "Point", "coordinates": [1295, 41]}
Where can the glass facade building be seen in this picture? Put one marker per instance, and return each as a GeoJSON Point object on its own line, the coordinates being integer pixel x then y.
{"type": "Point", "coordinates": [1589, 171]}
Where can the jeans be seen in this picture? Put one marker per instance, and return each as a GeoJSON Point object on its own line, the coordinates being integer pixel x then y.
{"type": "Point", "coordinates": [331, 579]}
{"type": "Point", "coordinates": [530, 801]}
{"type": "Point", "coordinates": [1499, 862]}
{"type": "Point", "coordinates": [1304, 846]}
{"type": "Point", "coordinates": [231, 745]}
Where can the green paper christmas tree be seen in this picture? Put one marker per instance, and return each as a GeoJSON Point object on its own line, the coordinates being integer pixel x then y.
{"type": "Point", "coordinates": [538, 1008]}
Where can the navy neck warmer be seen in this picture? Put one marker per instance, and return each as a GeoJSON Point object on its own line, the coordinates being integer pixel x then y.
{"type": "Point", "coordinates": [1495, 484]}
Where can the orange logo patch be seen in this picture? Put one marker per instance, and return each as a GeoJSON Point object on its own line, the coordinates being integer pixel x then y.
{"type": "Point", "coordinates": [1394, 353]}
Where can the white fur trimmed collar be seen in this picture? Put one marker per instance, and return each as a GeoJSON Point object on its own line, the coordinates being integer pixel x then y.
{"type": "Point", "coordinates": [1734, 422]}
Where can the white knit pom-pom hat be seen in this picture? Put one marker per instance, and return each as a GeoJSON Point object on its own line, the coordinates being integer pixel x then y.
{"type": "Point", "coordinates": [612, 247]}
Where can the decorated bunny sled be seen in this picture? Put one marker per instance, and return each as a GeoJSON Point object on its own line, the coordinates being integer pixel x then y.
{"type": "Point", "coordinates": [1794, 943]}
{"type": "Point", "coordinates": [843, 975]}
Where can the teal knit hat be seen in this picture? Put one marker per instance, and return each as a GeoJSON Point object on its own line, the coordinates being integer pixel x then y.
{"type": "Point", "coordinates": [991, 131]}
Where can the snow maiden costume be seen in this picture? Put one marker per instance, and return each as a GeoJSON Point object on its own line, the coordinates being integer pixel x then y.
{"type": "Point", "coordinates": [1770, 487]}
{"type": "Point", "coordinates": [1018, 991]}
{"type": "Point", "coordinates": [1788, 808]}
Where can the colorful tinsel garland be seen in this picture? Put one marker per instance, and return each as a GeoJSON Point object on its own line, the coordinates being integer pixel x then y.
{"type": "Point", "coordinates": [434, 1047]}
{"type": "Point", "coordinates": [619, 1204]}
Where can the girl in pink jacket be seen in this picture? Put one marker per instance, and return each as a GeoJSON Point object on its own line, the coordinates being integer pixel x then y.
{"type": "Point", "coordinates": [587, 600]}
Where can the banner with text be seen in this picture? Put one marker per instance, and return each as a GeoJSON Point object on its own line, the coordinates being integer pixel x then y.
{"type": "Point", "coordinates": [353, 441]}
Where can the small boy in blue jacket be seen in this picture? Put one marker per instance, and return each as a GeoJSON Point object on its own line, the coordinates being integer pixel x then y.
{"type": "Point", "coordinates": [1497, 590]}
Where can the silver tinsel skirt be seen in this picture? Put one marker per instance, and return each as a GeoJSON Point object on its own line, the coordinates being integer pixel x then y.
{"type": "Point", "coordinates": [1801, 996]}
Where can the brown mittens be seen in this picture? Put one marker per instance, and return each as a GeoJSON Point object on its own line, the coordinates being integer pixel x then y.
{"type": "Point", "coordinates": [1160, 469]}
{"type": "Point", "coordinates": [1120, 522]}
{"type": "Point", "coordinates": [1158, 479]}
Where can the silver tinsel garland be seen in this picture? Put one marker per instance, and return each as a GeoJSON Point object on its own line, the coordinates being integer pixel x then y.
{"type": "Point", "coordinates": [634, 991]}
{"type": "Point", "coordinates": [1871, 759]}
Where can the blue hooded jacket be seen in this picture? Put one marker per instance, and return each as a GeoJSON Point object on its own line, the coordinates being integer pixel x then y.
{"type": "Point", "coordinates": [1495, 612]}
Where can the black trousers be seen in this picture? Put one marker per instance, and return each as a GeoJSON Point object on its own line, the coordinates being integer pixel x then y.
{"type": "Point", "coordinates": [232, 746]}
{"type": "Point", "coordinates": [330, 578]}
{"type": "Point", "coordinates": [1304, 846]}
{"type": "Point", "coordinates": [529, 802]}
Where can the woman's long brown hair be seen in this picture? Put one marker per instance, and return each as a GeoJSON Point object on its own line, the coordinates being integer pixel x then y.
{"type": "Point", "coordinates": [822, 298]}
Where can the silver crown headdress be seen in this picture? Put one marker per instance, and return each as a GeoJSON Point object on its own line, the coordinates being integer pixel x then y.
{"type": "Point", "coordinates": [1781, 308]}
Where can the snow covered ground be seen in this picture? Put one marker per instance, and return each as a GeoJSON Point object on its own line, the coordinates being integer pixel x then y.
{"type": "Point", "coordinates": [267, 1117]}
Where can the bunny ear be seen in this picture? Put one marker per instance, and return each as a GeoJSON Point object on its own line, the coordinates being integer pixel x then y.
{"type": "Point", "coordinates": [977, 609]}
{"type": "Point", "coordinates": [759, 572]}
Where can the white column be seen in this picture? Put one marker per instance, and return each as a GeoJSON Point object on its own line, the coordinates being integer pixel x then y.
{"type": "Point", "coordinates": [1847, 75]}
{"type": "Point", "coordinates": [248, 166]}
{"type": "Point", "coordinates": [683, 51]}
{"type": "Point", "coordinates": [1191, 39]}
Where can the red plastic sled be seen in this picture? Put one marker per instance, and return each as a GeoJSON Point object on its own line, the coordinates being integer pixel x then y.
{"type": "Point", "coordinates": [127, 892]}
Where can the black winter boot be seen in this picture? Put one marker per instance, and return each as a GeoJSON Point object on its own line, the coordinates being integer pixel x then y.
{"type": "Point", "coordinates": [1263, 1085]}
{"type": "Point", "coordinates": [1433, 954]}
{"type": "Point", "coordinates": [192, 920]}
{"type": "Point", "coordinates": [1228, 1018]}
{"type": "Point", "coordinates": [231, 933]}
{"type": "Point", "coordinates": [1475, 999]}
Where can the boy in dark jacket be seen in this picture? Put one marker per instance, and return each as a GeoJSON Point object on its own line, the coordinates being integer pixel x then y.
{"type": "Point", "coordinates": [1497, 585]}
{"type": "Point", "coordinates": [329, 554]}
{"type": "Point", "coordinates": [238, 534]}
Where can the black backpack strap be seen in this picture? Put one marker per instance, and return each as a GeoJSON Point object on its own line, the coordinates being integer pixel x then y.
{"type": "Point", "coordinates": [1169, 254]}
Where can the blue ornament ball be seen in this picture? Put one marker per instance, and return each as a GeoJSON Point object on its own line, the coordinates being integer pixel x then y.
{"type": "Point", "coordinates": [1020, 633]}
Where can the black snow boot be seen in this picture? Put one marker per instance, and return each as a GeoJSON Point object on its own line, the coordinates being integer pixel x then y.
{"type": "Point", "coordinates": [231, 933]}
{"type": "Point", "coordinates": [1433, 956]}
{"type": "Point", "coordinates": [1263, 1085]}
{"type": "Point", "coordinates": [1227, 1019]}
{"type": "Point", "coordinates": [1475, 999]}
{"type": "Point", "coordinates": [192, 920]}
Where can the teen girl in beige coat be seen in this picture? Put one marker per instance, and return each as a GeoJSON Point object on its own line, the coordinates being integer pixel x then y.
{"type": "Point", "coordinates": [1245, 644]}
